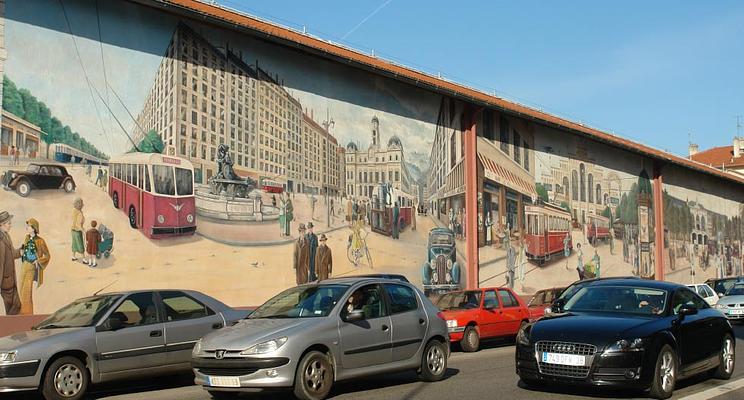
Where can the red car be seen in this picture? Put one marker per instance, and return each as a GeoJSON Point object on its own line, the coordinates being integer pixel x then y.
{"type": "Point", "coordinates": [541, 299]}
{"type": "Point", "coordinates": [485, 313]}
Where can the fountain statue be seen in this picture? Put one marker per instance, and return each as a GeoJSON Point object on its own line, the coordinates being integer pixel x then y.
{"type": "Point", "coordinates": [226, 182]}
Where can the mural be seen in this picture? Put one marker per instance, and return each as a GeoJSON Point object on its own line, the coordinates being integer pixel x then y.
{"type": "Point", "coordinates": [183, 156]}
{"type": "Point", "coordinates": [554, 208]}
{"type": "Point", "coordinates": [703, 228]}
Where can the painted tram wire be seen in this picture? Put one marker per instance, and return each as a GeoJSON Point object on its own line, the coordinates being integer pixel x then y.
{"type": "Point", "coordinates": [105, 76]}
{"type": "Point", "coordinates": [82, 65]}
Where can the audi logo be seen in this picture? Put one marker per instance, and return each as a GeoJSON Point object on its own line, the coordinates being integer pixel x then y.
{"type": "Point", "coordinates": [564, 348]}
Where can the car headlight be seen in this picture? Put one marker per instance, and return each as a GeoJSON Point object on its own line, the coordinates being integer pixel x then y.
{"type": "Point", "coordinates": [161, 219]}
{"type": "Point", "coordinates": [449, 264]}
{"type": "Point", "coordinates": [720, 306]}
{"type": "Point", "coordinates": [265, 347]}
{"type": "Point", "coordinates": [190, 218]}
{"type": "Point", "coordinates": [197, 348]}
{"type": "Point", "coordinates": [8, 356]}
{"type": "Point", "coordinates": [433, 263]}
{"type": "Point", "coordinates": [523, 337]}
{"type": "Point", "coordinates": [451, 323]}
{"type": "Point", "coordinates": [627, 345]}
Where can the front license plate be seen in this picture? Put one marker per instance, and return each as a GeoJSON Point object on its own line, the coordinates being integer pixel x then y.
{"type": "Point", "coordinates": [224, 381]}
{"type": "Point", "coordinates": [736, 312]}
{"type": "Point", "coordinates": [563, 359]}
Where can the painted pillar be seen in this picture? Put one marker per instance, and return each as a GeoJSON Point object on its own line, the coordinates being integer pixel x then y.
{"type": "Point", "coordinates": [471, 199]}
{"type": "Point", "coordinates": [658, 187]}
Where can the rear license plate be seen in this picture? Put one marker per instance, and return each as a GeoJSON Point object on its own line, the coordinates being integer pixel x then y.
{"type": "Point", "coordinates": [224, 381]}
{"type": "Point", "coordinates": [563, 359]}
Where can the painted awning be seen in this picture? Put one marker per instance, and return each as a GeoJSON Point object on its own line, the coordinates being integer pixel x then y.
{"type": "Point", "coordinates": [504, 177]}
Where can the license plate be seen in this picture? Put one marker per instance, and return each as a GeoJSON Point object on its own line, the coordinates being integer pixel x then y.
{"type": "Point", "coordinates": [563, 359]}
{"type": "Point", "coordinates": [736, 312]}
{"type": "Point", "coordinates": [224, 381]}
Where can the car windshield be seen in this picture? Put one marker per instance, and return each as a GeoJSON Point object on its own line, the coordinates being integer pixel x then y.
{"type": "Point", "coordinates": [618, 299]}
{"type": "Point", "coordinates": [441, 239]}
{"type": "Point", "coordinates": [460, 300]}
{"type": "Point", "coordinates": [184, 182]}
{"type": "Point", "coordinates": [81, 312]}
{"type": "Point", "coordinates": [302, 302]}
{"type": "Point", "coordinates": [162, 176]}
{"type": "Point", "coordinates": [33, 168]}
{"type": "Point", "coordinates": [737, 290]}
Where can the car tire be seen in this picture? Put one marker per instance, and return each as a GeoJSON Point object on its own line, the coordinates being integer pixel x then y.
{"type": "Point", "coordinates": [433, 362]}
{"type": "Point", "coordinates": [727, 358]}
{"type": "Point", "coordinates": [665, 374]}
{"type": "Point", "coordinates": [217, 395]}
{"type": "Point", "coordinates": [66, 378]}
{"type": "Point", "coordinates": [23, 188]}
{"type": "Point", "coordinates": [470, 340]}
{"type": "Point", "coordinates": [69, 186]}
{"type": "Point", "coordinates": [314, 377]}
{"type": "Point", "coordinates": [115, 199]}
{"type": "Point", "coordinates": [132, 217]}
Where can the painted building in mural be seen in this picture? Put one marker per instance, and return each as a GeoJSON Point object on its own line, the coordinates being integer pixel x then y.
{"type": "Point", "coordinates": [380, 160]}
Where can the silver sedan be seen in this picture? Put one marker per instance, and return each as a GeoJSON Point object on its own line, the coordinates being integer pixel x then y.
{"type": "Point", "coordinates": [107, 337]}
{"type": "Point", "coordinates": [310, 336]}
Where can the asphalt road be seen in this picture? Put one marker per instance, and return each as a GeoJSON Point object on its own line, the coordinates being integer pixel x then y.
{"type": "Point", "coordinates": [483, 374]}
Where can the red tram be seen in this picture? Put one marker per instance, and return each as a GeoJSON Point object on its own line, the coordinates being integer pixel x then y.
{"type": "Point", "coordinates": [548, 226]}
{"type": "Point", "coordinates": [270, 186]}
{"type": "Point", "coordinates": [598, 228]}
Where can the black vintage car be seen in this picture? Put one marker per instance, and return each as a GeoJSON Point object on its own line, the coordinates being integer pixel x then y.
{"type": "Point", "coordinates": [627, 333]}
{"type": "Point", "coordinates": [38, 176]}
{"type": "Point", "coordinates": [441, 272]}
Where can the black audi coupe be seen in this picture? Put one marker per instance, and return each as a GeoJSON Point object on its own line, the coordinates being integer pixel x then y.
{"type": "Point", "coordinates": [630, 334]}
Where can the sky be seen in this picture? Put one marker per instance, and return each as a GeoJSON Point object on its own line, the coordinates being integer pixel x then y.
{"type": "Point", "coordinates": [654, 72]}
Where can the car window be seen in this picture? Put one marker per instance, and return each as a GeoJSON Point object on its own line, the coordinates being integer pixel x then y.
{"type": "Point", "coordinates": [709, 291]}
{"type": "Point", "coordinates": [701, 291]}
{"type": "Point", "coordinates": [402, 298]}
{"type": "Point", "coordinates": [460, 300]}
{"type": "Point", "coordinates": [490, 300]}
{"type": "Point", "coordinates": [507, 299]}
{"type": "Point", "coordinates": [302, 302]}
{"type": "Point", "coordinates": [368, 299]}
{"type": "Point", "coordinates": [737, 290]}
{"type": "Point", "coordinates": [686, 296]}
{"type": "Point", "coordinates": [43, 171]}
{"type": "Point", "coordinates": [537, 299]}
{"type": "Point", "coordinates": [178, 306]}
{"type": "Point", "coordinates": [138, 309]}
{"type": "Point", "coordinates": [163, 179]}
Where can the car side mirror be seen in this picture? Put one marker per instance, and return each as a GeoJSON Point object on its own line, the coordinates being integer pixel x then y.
{"type": "Point", "coordinates": [111, 324]}
{"type": "Point", "coordinates": [354, 316]}
{"type": "Point", "coordinates": [687, 309]}
{"type": "Point", "coordinates": [557, 306]}
{"type": "Point", "coordinates": [720, 294]}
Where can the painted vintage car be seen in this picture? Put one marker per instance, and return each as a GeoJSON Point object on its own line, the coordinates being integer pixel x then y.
{"type": "Point", "coordinates": [441, 271]}
{"type": "Point", "coordinates": [38, 176]}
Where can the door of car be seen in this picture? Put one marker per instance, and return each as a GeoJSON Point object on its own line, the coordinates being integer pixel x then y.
{"type": "Point", "coordinates": [55, 177]}
{"type": "Point", "coordinates": [139, 342]}
{"type": "Point", "coordinates": [409, 320]}
{"type": "Point", "coordinates": [42, 179]}
{"type": "Point", "coordinates": [369, 341]}
{"type": "Point", "coordinates": [491, 316]}
{"type": "Point", "coordinates": [693, 331]}
{"type": "Point", "coordinates": [513, 313]}
{"type": "Point", "coordinates": [186, 320]}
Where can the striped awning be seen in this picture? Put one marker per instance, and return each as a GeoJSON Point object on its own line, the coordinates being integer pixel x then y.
{"type": "Point", "coordinates": [504, 177]}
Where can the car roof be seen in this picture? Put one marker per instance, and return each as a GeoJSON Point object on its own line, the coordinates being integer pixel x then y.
{"type": "Point", "coordinates": [351, 280]}
{"type": "Point", "coordinates": [646, 283]}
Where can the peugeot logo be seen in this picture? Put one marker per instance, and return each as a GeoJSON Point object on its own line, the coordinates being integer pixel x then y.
{"type": "Point", "coordinates": [219, 354]}
{"type": "Point", "coordinates": [177, 207]}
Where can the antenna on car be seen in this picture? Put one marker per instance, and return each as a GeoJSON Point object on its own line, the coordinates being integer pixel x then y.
{"type": "Point", "coordinates": [101, 289]}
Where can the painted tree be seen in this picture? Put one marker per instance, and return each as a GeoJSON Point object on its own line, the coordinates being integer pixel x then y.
{"type": "Point", "coordinates": [542, 193]}
{"type": "Point", "coordinates": [151, 143]}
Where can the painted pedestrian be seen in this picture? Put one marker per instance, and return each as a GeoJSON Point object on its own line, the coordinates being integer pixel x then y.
{"type": "Point", "coordinates": [35, 257]}
{"type": "Point", "coordinates": [92, 241]}
{"type": "Point", "coordinates": [522, 262]}
{"type": "Point", "coordinates": [580, 261]}
{"type": "Point", "coordinates": [8, 255]}
{"type": "Point", "coordinates": [273, 200]}
{"type": "Point", "coordinates": [78, 219]}
{"type": "Point", "coordinates": [99, 176]}
{"type": "Point", "coordinates": [612, 241]}
{"type": "Point", "coordinates": [282, 216]}
{"type": "Point", "coordinates": [301, 256]}
{"type": "Point", "coordinates": [567, 248]}
{"type": "Point", "coordinates": [488, 229]}
{"type": "Point", "coordinates": [16, 156]}
{"type": "Point", "coordinates": [325, 259]}
{"type": "Point", "coordinates": [350, 211]}
{"type": "Point", "coordinates": [313, 200]}
{"type": "Point", "coordinates": [595, 261]}
{"type": "Point", "coordinates": [510, 266]}
{"type": "Point", "coordinates": [288, 216]}
{"type": "Point", "coordinates": [312, 242]}
{"type": "Point", "coordinates": [396, 221]}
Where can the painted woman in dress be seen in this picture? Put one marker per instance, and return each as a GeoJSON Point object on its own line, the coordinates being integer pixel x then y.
{"type": "Point", "coordinates": [35, 257]}
{"type": "Point", "coordinates": [78, 219]}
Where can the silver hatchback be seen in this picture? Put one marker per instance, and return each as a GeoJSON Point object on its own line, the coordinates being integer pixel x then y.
{"type": "Point", "coordinates": [310, 336]}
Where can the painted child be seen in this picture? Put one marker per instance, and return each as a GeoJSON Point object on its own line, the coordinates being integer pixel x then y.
{"type": "Point", "coordinates": [92, 240]}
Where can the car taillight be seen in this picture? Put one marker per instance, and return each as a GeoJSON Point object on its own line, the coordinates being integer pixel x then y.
{"type": "Point", "coordinates": [441, 316]}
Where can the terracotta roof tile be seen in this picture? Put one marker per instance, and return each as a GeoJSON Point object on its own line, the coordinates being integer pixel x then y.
{"type": "Point", "coordinates": [718, 156]}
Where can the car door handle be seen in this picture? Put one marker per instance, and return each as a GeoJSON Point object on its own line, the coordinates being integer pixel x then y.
{"type": "Point", "coordinates": [422, 321]}
{"type": "Point", "coordinates": [385, 328]}
{"type": "Point", "coordinates": [217, 325]}
{"type": "Point", "coordinates": [156, 333]}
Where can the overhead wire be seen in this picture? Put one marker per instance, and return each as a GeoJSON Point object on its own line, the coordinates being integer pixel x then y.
{"type": "Point", "coordinates": [103, 67]}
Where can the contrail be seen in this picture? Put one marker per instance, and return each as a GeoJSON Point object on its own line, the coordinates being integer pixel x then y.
{"type": "Point", "coordinates": [372, 14]}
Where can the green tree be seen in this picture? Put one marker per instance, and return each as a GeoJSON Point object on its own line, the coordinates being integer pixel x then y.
{"type": "Point", "coordinates": [566, 207]}
{"type": "Point", "coordinates": [151, 143]}
{"type": "Point", "coordinates": [607, 213]}
{"type": "Point", "coordinates": [542, 193]}
{"type": "Point", "coordinates": [12, 100]}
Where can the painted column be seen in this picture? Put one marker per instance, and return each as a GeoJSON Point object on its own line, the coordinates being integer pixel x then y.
{"type": "Point", "coordinates": [471, 199]}
{"type": "Point", "coordinates": [659, 221]}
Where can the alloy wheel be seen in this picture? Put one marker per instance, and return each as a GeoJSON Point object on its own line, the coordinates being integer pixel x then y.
{"type": "Point", "coordinates": [435, 360]}
{"type": "Point", "coordinates": [68, 380]}
{"type": "Point", "coordinates": [315, 375]}
{"type": "Point", "coordinates": [667, 372]}
{"type": "Point", "coordinates": [728, 355]}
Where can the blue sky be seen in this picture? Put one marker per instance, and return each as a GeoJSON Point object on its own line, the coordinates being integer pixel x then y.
{"type": "Point", "coordinates": [653, 72]}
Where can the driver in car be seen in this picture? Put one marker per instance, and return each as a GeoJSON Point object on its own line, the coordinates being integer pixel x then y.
{"type": "Point", "coordinates": [652, 305]}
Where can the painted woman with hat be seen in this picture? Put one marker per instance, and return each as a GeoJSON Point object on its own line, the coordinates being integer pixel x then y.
{"type": "Point", "coordinates": [8, 254]}
{"type": "Point", "coordinates": [78, 219]}
{"type": "Point", "coordinates": [35, 257]}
